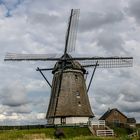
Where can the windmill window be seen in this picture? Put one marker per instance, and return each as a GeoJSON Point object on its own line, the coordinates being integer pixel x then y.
{"type": "Point", "coordinates": [77, 94]}
{"type": "Point", "coordinates": [79, 103]}
{"type": "Point", "coordinates": [76, 77]}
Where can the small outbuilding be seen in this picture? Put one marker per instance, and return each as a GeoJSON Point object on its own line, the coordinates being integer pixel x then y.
{"type": "Point", "coordinates": [114, 116]}
{"type": "Point", "coordinates": [117, 117]}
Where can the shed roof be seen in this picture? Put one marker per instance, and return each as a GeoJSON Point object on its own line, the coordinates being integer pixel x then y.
{"type": "Point", "coordinates": [108, 112]}
{"type": "Point", "coordinates": [131, 120]}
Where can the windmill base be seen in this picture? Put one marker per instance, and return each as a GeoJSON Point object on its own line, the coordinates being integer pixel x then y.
{"type": "Point", "coordinates": [69, 120]}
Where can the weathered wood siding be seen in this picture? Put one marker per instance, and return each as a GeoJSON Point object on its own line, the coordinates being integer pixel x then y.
{"type": "Point", "coordinates": [73, 99]}
{"type": "Point", "coordinates": [116, 115]}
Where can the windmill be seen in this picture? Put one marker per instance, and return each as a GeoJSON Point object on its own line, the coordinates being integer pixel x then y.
{"type": "Point", "coordinates": [69, 102]}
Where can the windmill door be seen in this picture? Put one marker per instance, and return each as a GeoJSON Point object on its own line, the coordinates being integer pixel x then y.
{"type": "Point", "coordinates": [63, 120]}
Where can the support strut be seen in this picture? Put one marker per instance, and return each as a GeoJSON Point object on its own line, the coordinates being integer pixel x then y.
{"type": "Point", "coordinates": [92, 76]}
{"type": "Point", "coordinates": [38, 69]}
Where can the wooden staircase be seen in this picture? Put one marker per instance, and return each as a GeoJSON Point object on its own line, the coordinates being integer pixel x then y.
{"type": "Point", "coordinates": [92, 130]}
{"type": "Point", "coordinates": [99, 128]}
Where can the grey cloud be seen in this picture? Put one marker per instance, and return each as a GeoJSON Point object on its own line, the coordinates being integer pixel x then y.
{"type": "Point", "coordinates": [125, 74]}
{"type": "Point", "coordinates": [14, 95]}
{"type": "Point", "coordinates": [23, 109]}
{"type": "Point", "coordinates": [96, 20]}
{"type": "Point", "coordinates": [13, 102]}
{"type": "Point", "coordinates": [130, 107]}
{"type": "Point", "coordinates": [134, 9]}
{"type": "Point", "coordinates": [129, 98]}
{"type": "Point", "coordinates": [43, 18]}
{"type": "Point", "coordinates": [53, 5]}
{"type": "Point", "coordinates": [104, 95]}
{"type": "Point", "coordinates": [50, 29]}
{"type": "Point", "coordinates": [111, 42]}
{"type": "Point", "coordinates": [130, 92]}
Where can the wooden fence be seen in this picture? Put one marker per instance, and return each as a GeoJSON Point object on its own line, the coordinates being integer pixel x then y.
{"type": "Point", "coordinates": [105, 133]}
{"type": "Point", "coordinates": [98, 123]}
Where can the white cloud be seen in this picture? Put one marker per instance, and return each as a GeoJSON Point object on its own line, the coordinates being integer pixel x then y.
{"type": "Point", "coordinates": [40, 26]}
{"type": "Point", "coordinates": [14, 95]}
{"type": "Point", "coordinates": [2, 11]}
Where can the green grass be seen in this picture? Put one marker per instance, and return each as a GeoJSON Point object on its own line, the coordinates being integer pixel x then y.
{"type": "Point", "coordinates": [48, 132]}
{"type": "Point", "coordinates": [120, 131]}
{"type": "Point", "coordinates": [104, 138]}
{"type": "Point", "coordinates": [20, 134]}
{"type": "Point", "coordinates": [71, 133]}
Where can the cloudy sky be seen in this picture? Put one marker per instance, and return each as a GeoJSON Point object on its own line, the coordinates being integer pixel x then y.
{"type": "Point", "coordinates": [106, 28]}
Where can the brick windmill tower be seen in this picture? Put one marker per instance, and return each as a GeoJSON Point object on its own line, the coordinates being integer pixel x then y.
{"type": "Point", "coordinates": [69, 102]}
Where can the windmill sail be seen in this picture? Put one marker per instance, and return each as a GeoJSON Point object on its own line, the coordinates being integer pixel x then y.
{"type": "Point", "coordinates": [72, 31]}
{"type": "Point", "coordinates": [108, 62]}
{"type": "Point", "coordinates": [30, 57]}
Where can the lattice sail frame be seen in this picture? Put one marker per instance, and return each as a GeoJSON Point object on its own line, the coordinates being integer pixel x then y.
{"type": "Point", "coordinates": [109, 62]}
{"type": "Point", "coordinates": [73, 30]}
{"type": "Point", "coordinates": [103, 62]}
{"type": "Point", "coordinates": [29, 57]}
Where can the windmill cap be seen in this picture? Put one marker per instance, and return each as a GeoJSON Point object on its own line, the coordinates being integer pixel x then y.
{"type": "Point", "coordinates": [69, 64]}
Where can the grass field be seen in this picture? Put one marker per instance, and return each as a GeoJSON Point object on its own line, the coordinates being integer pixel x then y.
{"type": "Point", "coordinates": [41, 133]}
{"type": "Point", "coordinates": [48, 133]}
